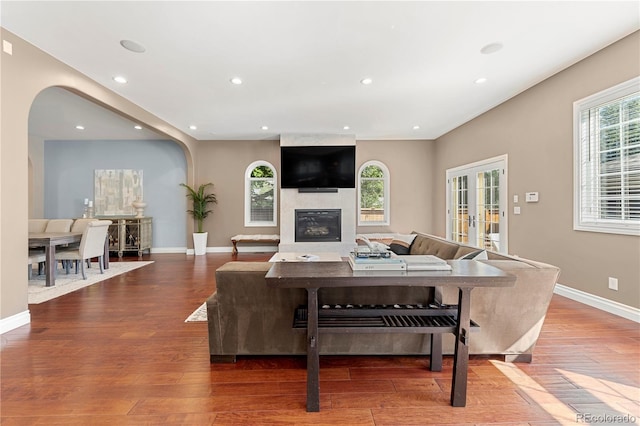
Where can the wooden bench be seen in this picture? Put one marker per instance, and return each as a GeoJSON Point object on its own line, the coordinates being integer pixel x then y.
{"type": "Point", "coordinates": [259, 238]}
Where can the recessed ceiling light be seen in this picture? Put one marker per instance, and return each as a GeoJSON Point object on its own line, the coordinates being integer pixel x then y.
{"type": "Point", "coordinates": [137, 127]}
{"type": "Point", "coordinates": [265, 127]}
{"type": "Point", "coordinates": [416, 127]}
{"type": "Point", "coordinates": [193, 127]}
{"type": "Point", "coordinates": [366, 81]}
{"type": "Point", "coordinates": [80, 127]}
{"type": "Point", "coordinates": [491, 48]}
{"type": "Point", "coordinates": [346, 128]}
{"type": "Point", "coordinates": [236, 80]}
{"type": "Point", "coordinates": [132, 46]}
{"type": "Point", "coordinates": [119, 79]}
{"type": "Point", "coordinates": [481, 80]}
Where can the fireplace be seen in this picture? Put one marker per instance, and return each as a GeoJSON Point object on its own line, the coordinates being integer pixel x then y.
{"type": "Point", "coordinates": [318, 225]}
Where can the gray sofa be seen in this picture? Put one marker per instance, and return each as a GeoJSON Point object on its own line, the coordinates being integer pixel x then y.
{"type": "Point", "coordinates": [248, 318]}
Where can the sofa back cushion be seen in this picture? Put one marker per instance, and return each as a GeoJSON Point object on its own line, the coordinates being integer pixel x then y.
{"type": "Point", "coordinates": [437, 247]}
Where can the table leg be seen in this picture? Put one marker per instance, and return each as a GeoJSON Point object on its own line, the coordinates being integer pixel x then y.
{"type": "Point", "coordinates": [435, 358]}
{"type": "Point", "coordinates": [105, 256]}
{"type": "Point", "coordinates": [50, 265]}
{"type": "Point", "coordinates": [313, 353]}
{"type": "Point", "coordinates": [461, 354]}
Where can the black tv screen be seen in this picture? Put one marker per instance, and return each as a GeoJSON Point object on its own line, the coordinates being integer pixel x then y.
{"type": "Point", "coordinates": [318, 166]}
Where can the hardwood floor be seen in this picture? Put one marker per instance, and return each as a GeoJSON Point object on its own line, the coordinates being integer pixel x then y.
{"type": "Point", "coordinates": [119, 353]}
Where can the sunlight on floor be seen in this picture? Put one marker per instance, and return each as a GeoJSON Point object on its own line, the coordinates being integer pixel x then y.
{"type": "Point", "coordinates": [616, 402]}
{"type": "Point", "coordinates": [560, 411]}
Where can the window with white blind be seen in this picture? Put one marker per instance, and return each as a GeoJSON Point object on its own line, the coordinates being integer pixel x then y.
{"type": "Point", "coordinates": [260, 195]}
{"type": "Point", "coordinates": [373, 194]}
{"type": "Point", "coordinates": [607, 160]}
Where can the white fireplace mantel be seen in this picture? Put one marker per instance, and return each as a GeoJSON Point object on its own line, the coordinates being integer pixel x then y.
{"type": "Point", "coordinates": [344, 199]}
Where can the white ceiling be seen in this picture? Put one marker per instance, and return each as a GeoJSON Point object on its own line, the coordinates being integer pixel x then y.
{"type": "Point", "coordinates": [302, 62]}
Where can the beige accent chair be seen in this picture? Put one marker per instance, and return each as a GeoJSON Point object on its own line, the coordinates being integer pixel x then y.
{"type": "Point", "coordinates": [80, 224]}
{"type": "Point", "coordinates": [59, 225]}
{"type": "Point", "coordinates": [91, 245]}
{"type": "Point", "coordinates": [38, 225]}
{"type": "Point", "coordinates": [36, 255]}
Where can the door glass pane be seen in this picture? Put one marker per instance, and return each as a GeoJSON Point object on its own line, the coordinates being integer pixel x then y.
{"type": "Point", "coordinates": [488, 209]}
{"type": "Point", "coordinates": [460, 209]}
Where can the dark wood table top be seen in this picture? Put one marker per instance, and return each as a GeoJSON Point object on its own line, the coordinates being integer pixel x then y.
{"type": "Point", "coordinates": [464, 273]}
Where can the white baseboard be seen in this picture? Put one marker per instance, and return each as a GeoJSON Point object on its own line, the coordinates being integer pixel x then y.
{"type": "Point", "coordinates": [243, 249]}
{"type": "Point", "coordinates": [169, 249]}
{"type": "Point", "coordinates": [15, 321]}
{"type": "Point", "coordinates": [598, 302]}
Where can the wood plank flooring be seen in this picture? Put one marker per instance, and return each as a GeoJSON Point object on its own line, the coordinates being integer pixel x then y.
{"type": "Point", "coordinates": [119, 353]}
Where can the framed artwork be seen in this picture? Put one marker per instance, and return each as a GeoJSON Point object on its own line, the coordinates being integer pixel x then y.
{"type": "Point", "coordinates": [115, 190]}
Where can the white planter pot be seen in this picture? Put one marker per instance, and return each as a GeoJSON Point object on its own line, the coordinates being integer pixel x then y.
{"type": "Point", "coordinates": [200, 242]}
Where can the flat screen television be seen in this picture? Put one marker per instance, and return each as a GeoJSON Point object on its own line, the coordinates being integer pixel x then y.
{"type": "Point", "coordinates": [324, 166]}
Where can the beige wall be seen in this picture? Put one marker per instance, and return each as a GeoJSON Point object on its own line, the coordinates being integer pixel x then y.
{"type": "Point", "coordinates": [25, 74]}
{"type": "Point", "coordinates": [225, 162]}
{"type": "Point", "coordinates": [535, 130]}
{"type": "Point", "coordinates": [411, 165]}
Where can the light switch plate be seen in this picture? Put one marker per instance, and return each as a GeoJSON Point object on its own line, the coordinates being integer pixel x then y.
{"type": "Point", "coordinates": [516, 210]}
{"type": "Point", "coordinates": [7, 47]}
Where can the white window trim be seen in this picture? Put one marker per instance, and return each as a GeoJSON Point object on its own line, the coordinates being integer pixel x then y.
{"type": "Point", "coordinates": [387, 192]}
{"type": "Point", "coordinates": [607, 95]}
{"type": "Point", "coordinates": [247, 195]}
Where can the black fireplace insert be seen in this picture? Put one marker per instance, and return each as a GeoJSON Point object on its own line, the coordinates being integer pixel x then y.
{"type": "Point", "coordinates": [318, 225]}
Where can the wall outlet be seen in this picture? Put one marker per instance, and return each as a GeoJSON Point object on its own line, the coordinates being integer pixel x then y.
{"type": "Point", "coordinates": [613, 283]}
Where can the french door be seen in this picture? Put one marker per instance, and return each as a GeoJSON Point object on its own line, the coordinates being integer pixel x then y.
{"type": "Point", "coordinates": [476, 204]}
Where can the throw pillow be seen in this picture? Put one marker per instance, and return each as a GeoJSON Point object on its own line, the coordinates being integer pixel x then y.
{"type": "Point", "coordinates": [475, 255]}
{"type": "Point", "coordinates": [401, 244]}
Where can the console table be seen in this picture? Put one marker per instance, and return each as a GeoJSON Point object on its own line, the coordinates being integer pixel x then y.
{"type": "Point", "coordinates": [313, 276]}
{"type": "Point", "coordinates": [129, 233]}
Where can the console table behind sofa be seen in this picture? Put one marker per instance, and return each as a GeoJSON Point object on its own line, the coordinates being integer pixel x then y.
{"type": "Point", "coordinates": [247, 318]}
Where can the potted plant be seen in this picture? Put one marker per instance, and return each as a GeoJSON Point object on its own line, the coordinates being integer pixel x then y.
{"type": "Point", "coordinates": [201, 200]}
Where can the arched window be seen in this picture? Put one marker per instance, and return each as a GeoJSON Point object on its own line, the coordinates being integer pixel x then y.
{"type": "Point", "coordinates": [260, 195]}
{"type": "Point", "coordinates": [373, 194]}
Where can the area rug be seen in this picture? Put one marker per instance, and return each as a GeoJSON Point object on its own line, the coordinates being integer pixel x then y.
{"type": "Point", "coordinates": [39, 293]}
{"type": "Point", "coordinates": [199, 315]}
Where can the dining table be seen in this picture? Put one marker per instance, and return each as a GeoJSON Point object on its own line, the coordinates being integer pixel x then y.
{"type": "Point", "coordinates": [50, 240]}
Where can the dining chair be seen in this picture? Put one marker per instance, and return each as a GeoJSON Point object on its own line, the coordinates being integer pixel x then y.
{"type": "Point", "coordinates": [38, 225]}
{"type": "Point", "coordinates": [35, 253]}
{"type": "Point", "coordinates": [91, 245]}
{"type": "Point", "coordinates": [80, 224]}
{"type": "Point", "coordinates": [35, 257]}
{"type": "Point", "coordinates": [59, 225]}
